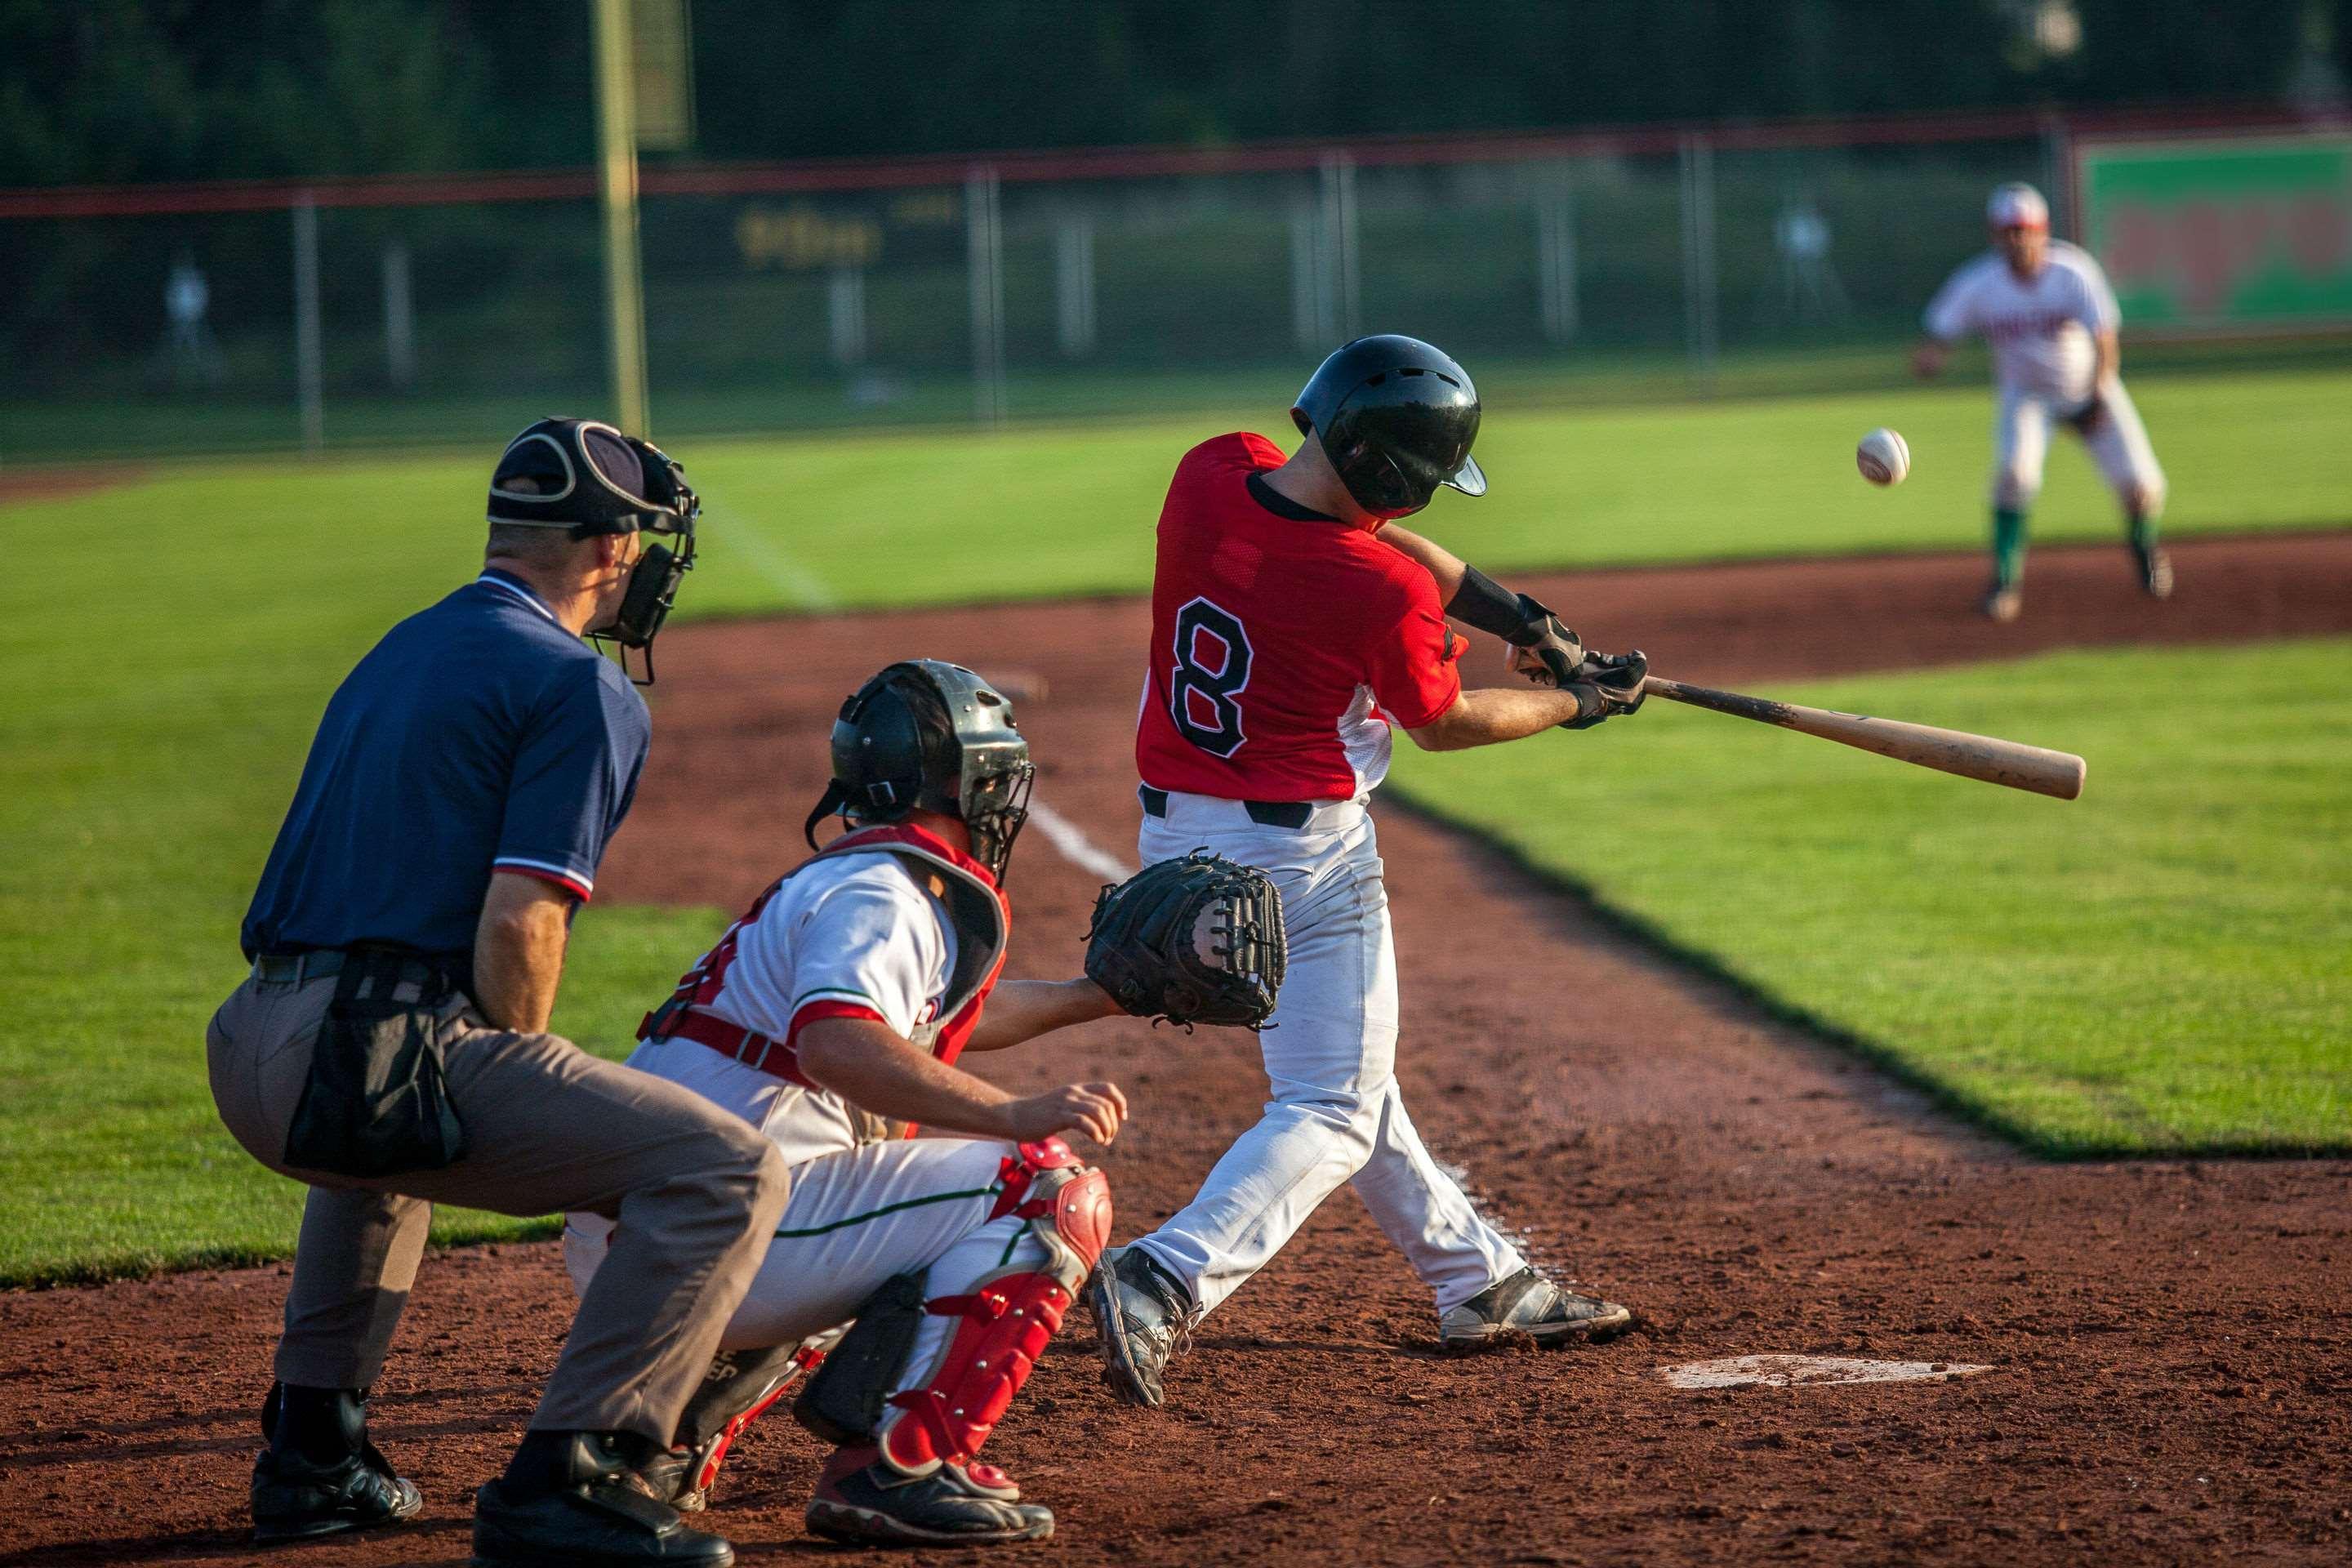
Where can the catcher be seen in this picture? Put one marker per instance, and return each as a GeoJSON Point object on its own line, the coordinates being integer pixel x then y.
{"type": "Point", "coordinates": [830, 1018]}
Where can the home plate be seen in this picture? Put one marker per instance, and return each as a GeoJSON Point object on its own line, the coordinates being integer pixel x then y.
{"type": "Point", "coordinates": [1808, 1371]}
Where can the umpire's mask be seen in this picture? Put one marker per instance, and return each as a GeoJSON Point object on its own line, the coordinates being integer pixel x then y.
{"type": "Point", "coordinates": [588, 478]}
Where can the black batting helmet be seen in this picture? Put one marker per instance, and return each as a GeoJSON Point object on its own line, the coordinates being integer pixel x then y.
{"type": "Point", "coordinates": [1396, 416]}
{"type": "Point", "coordinates": [924, 733]}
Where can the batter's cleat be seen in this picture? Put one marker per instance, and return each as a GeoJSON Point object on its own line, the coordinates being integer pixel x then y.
{"type": "Point", "coordinates": [320, 1475]}
{"type": "Point", "coordinates": [2154, 571]}
{"type": "Point", "coordinates": [2002, 602]}
{"type": "Point", "coordinates": [1144, 1317]}
{"type": "Point", "coordinates": [861, 1501]}
{"type": "Point", "coordinates": [1528, 1303]}
{"type": "Point", "coordinates": [579, 1499]}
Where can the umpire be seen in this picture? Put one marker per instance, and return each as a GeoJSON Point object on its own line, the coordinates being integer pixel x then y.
{"type": "Point", "coordinates": [390, 1048]}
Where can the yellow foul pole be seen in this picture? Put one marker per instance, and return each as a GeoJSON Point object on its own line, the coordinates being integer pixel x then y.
{"type": "Point", "coordinates": [617, 168]}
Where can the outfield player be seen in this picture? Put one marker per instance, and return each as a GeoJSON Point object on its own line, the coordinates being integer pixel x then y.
{"type": "Point", "coordinates": [829, 1017]}
{"type": "Point", "coordinates": [1294, 624]}
{"type": "Point", "coordinates": [2045, 307]}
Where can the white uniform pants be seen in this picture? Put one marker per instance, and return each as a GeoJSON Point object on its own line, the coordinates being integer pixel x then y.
{"type": "Point", "coordinates": [854, 1220]}
{"type": "Point", "coordinates": [2118, 446]}
{"type": "Point", "coordinates": [1330, 1058]}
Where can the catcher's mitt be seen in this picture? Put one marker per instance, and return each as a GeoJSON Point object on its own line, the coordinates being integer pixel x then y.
{"type": "Point", "coordinates": [1193, 941]}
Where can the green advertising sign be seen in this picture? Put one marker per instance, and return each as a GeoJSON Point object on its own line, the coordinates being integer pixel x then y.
{"type": "Point", "coordinates": [2221, 232]}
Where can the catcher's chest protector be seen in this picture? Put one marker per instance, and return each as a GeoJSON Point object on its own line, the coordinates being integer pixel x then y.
{"type": "Point", "coordinates": [977, 912]}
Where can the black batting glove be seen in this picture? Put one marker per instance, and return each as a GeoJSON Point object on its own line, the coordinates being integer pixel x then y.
{"type": "Point", "coordinates": [1607, 685]}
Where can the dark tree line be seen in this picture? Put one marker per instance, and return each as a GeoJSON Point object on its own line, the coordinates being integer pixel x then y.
{"type": "Point", "coordinates": [109, 90]}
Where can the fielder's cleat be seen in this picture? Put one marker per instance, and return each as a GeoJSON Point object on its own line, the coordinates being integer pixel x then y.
{"type": "Point", "coordinates": [1528, 1303]}
{"type": "Point", "coordinates": [861, 1501]}
{"type": "Point", "coordinates": [1143, 1317]}
{"type": "Point", "coordinates": [2002, 602]}
{"type": "Point", "coordinates": [321, 1476]}
{"type": "Point", "coordinates": [2154, 571]}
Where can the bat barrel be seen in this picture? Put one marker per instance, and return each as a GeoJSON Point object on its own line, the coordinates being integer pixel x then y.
{"type": "Point", "coordinates": [1986, 758]}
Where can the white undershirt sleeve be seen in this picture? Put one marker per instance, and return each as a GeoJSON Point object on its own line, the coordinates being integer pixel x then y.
{"type": "Point", "coordinates": [1948, 317]}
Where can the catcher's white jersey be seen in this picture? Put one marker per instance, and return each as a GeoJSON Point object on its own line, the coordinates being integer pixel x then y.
{"type": "Point", "coordinates": [852, 934]}
{"type": "Point", "coordinates": [2041, 328]}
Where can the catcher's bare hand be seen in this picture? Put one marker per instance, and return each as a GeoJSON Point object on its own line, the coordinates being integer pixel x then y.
{"type": "Point", "coordinates": [1094, 1108]}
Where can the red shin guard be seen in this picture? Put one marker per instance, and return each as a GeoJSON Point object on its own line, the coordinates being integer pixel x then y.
{"type": "Point", "coordinates": [1007, 1318]}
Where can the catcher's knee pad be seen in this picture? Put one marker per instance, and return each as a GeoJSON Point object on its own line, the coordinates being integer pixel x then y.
{"type": "Point", "coordinates": [1006, 1318]}
{"type": "Point", "coordinates": [844, 1402]}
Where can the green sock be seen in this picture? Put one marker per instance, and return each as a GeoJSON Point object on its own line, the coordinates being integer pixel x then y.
{"type": "Point", "coordinates": [2008, 545]}
{"type": "Point", "coordinates": [2143, 532]}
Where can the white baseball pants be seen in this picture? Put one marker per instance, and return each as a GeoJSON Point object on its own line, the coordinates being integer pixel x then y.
{"type": "Point", "coordinates": [2119, 446]}
{"type": "Point", "coordinates": [1336, 1114]}
{"type": "Point", "coordinates": [854, 1220]}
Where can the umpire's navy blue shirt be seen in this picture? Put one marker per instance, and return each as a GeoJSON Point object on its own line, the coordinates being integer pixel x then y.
{"type": "Point", "coordinates": [478, 735]}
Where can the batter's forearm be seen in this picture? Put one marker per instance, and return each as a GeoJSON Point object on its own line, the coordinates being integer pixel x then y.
{"type": "Point", "coordinates": [1021, 1010]}
{"type": "Point", "coordinates": [1494, 714]}
{"type": "Point", "coordinates": [2107, 362]}
{"type": "Point", "coordinates": [872, 1068]}
{"type": "Point", "coordinates": [1439, 562]}
{"type": "Point", "coordinates": [518, 951]}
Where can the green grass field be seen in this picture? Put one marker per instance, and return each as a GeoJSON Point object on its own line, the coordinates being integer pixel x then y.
{"type": "Point", "coordinates": [2157, 967]}
{"type": "Point", "coordinates": [170, 649]}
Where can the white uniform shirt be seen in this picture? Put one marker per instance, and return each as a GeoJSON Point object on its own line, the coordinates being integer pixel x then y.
{"type": "Point", "coordinates": [2041, 328]}
{"type": "Point", "coordinates": [855, 928]}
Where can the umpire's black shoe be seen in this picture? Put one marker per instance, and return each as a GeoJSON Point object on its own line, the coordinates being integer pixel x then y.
{"type": "Point", "coordinates": [321, 1476]}
{"type": "Point", "coordinates": [864, 1501]}
{"type": "Point", "coordinates": [1144, 1319]}
{"type": "Point", "coordinates": [574, 1500]}
{"type": "Point", "coordinates": [1528, 1303]}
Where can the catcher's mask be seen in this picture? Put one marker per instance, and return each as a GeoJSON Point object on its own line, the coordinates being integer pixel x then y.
{"type": "Point", "coordinates": [588, 478]}
{"type": "Point", "coordinates": [1396, 416]}
{"type": "Point", "coordinates": [932, 734]}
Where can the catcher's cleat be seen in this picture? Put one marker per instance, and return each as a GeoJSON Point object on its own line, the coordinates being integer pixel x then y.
{"type": "Point", "coordinates": [2002, 602]}
{"type": "Point", "coordinates": [1144, 1317]}
{"type": "Point", "coordinates": [864, 1501]}
{"type": "Point", "coordinates": [320, 1475]}
{"type": "Point", "coordinates": [2154, 571]}
{"type": "Point", "coordinates": [1530, 1304]}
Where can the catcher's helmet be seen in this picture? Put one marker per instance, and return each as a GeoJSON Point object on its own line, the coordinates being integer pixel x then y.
{"type": "Point", "coordinates": [1396, 416]}
{"type": "Point", "coordinates": [927, 734]}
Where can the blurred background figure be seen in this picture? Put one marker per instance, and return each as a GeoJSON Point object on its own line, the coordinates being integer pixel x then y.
{"type": "Point", "coordinates": [1809, 289]}
{"type": "Point", "coordinates": [194, 358]}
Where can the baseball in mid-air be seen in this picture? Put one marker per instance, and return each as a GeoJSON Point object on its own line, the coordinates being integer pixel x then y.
{"type": "Point", "coordinates": [1883, 456]}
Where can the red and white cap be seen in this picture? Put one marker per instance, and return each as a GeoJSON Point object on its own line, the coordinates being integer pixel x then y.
{"type": "Point", "coordinates": [2017, 206]}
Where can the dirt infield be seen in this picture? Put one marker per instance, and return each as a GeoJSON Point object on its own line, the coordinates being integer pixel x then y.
{"type": "Point", "coordinates": [2169, 1344]}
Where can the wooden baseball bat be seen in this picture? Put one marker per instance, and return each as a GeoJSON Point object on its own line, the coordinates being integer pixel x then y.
{"type": "Point", "coordinates": [2007, 763]}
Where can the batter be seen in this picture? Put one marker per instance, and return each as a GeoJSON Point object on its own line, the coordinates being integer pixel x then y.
{"type": "Point", "coordinates": [1294, 625]}
{"type": "Point", "coordinates": [2045, 307]}
{"type": "Point", "coordinates": [830, 1018]}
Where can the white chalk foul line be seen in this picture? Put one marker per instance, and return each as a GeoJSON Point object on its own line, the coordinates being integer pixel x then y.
{"type": "Point", "coordinates": [1808, 1371]}
{"type": "Point", "coordinates": [1078, 849]}
{"type": "Point", "coordinates": [795, 582]}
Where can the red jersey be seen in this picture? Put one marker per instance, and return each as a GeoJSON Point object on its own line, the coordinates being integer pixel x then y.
{"type": "Point", "coordinates": [1283, 643]}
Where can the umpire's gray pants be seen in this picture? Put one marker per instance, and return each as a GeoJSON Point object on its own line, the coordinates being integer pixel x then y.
{"type": "Point", "coordinates": [548, 1128]}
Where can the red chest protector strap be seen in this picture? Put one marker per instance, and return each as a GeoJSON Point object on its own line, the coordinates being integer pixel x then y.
{"type": "Point", "coordinates": [982, 923]}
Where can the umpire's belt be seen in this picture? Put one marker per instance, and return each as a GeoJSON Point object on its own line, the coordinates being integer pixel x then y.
{"type": "Point", "coordinates": [1291, 814]}
{"type": "Point", "coordinates": [423, 970]}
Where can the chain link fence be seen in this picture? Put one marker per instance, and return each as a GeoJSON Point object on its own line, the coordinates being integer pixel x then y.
{"type": "Point", "coordinates": [1034, 287]}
